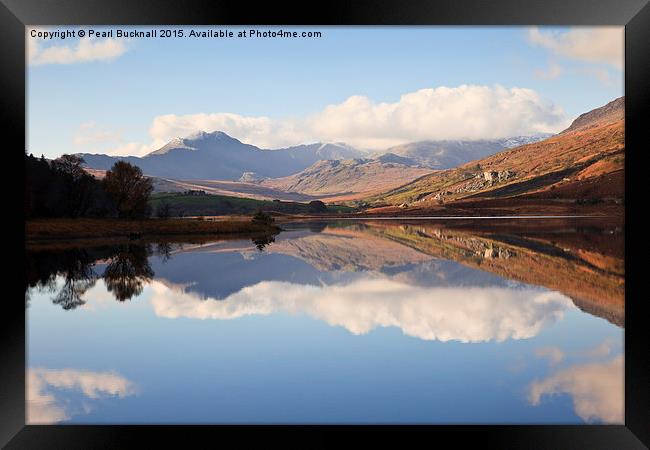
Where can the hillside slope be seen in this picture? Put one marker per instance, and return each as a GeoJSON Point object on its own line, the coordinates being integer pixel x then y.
{"type": "Point", "coordinates": [349, 178]}
{"type": "Point", "coordinates": [583, 163]}
{"type": "Point", "coordinates": [587, 267]}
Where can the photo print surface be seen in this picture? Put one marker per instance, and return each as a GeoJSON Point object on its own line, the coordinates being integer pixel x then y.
{"type": "Point", "coordinates": [325, 225]}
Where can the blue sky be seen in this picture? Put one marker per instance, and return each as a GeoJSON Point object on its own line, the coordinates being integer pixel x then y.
{"type": "Point", "coordinates": [128, 96]}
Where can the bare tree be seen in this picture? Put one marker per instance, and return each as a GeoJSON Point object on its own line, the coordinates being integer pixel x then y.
{"type": "Point", "coordinates": [128, 271]}
{"type": "Point", "coordinates": [71, 165]}
{"type": "Point", "coordinates": [130, 190]}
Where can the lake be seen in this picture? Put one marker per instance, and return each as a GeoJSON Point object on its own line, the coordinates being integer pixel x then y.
{"type": "Point", "coordinates": [333, 322]}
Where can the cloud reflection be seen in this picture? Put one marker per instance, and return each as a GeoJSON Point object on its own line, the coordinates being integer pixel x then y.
{"type": "Point", "coordinates": [554, 354]}
{"type": "Point", "coordinates": [44, 407]}
{"type": "Point", "coordinates": [466, 314]}
{"type": "Point", "coordinates": [597, 390]}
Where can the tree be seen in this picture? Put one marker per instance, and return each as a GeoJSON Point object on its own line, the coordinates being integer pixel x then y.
{"type": "Point", "coordinates": [163, 210]}
{"type": "Point", "coordinates": [71, 294]}
{"type": "Point", "coordinates": [79, 276]}
{"type": "Point", "coordinates": [130, 190]}
{"type": "Point", "coordinates": [72, 186]}
{"type": "Point", "coordinates": [262, 241]}
{"type": "Point", "coordinates": [316, 206]}
{"type": "Point", "coordinates": [262, 218]}
{"type": "Point", "coordinates": [70, 165]}
{"type": "Point", "coordinates": [63, 188]}
{"type": "Point", "coordinates": [38, 177]}
{"type": "Point", "coordinates": [128, 271]}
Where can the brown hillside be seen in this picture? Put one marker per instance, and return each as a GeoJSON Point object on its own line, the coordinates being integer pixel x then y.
{"type": "Point", "coordinates": [349, 179]}
{"type": "Point", "coordinates": [611, 112]}
{"type": "Point", "coordinates": [588, 268]}
{"type": "Point", "coordinates": [583, 163]}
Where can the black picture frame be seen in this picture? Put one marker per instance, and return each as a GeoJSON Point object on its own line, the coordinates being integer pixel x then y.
{"type": "Point", "coordinates": [633, 14]}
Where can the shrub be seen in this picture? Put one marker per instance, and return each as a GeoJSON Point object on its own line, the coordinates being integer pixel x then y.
{"type": "Point", "coordinates": [262, 218]}
{"type": "Point", "coordinates": [316, 206]}
{"type": "Point", "coordinates": [163, 210]}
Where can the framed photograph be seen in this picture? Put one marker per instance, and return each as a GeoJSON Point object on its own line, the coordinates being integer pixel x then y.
{"type": "Point", "coordinates": [370, 216]}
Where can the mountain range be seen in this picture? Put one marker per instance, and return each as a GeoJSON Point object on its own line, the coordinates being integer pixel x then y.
{"type": "Point", "coordinates": [218, 156]}
{"type": "Point", "coordinates": [583, 162]}
{"type": "Point", "coordinates": [448, 154]}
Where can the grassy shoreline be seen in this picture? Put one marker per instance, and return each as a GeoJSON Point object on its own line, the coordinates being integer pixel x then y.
{"type": "Point", "coordinates": [82, 228]}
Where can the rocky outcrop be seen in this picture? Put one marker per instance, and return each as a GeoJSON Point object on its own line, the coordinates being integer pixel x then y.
{"type": "Point", "coordinates": [477, 182]}
{"type": "Point", "coordinates": [498, 176]}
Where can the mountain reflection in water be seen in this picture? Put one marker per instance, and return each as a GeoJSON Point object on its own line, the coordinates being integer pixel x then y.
{"type": "Point", "coordinates": [585, 264]}
{"type": "Point", "coordinates": [337, 322]}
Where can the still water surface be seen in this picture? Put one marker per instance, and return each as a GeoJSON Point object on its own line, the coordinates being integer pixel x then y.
{"type": "Point", "coordinates": [341, 322]}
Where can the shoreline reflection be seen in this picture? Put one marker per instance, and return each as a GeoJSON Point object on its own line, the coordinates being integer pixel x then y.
{"type": "Point", "coordinates": [377, 321]}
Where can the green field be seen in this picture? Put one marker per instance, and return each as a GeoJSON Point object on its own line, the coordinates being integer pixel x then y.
{"type": "Point", "coordinates": [214, 205]}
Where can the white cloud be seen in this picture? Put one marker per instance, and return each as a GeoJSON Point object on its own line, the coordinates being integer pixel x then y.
{"type": "Point", "coordinates": [91, 138]}
{"type": "Point", "coordinates": [89, 133]}
{"type": "Point", "coordinates": [133, 149]}
{"type": "Point", "coordinates": [471, 314]}
{"type": "Point", "coordinates": [554, 71]}
{"type": "Point", "coordinates": [554, 354]}
{"type": "Point", "coordinates": [598, 73]}
{"type": "Point", "coordinates": [594, 45]}
{"type": "Point", "coordinates": [42, 405]}
{"type": "Point", "coordinates": [463, 112]}
{"type": "Point", "coordinates": [260, 131]}
{"type": "Point", "coordinates": [85, 50]}
{"type": "Point", "coordinates": [597, 390]}
{"type": "Point", "coordinates": [601, 350]}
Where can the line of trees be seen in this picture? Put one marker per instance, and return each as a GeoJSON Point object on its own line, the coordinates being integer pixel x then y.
{"type": "Point", "coordinates": [63, 188]}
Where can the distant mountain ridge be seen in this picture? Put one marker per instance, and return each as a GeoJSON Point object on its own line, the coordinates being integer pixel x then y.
{"type": "Point", "coordinates": [452, 153]}
{"type": "Point", "coordinates": [218, 156]}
